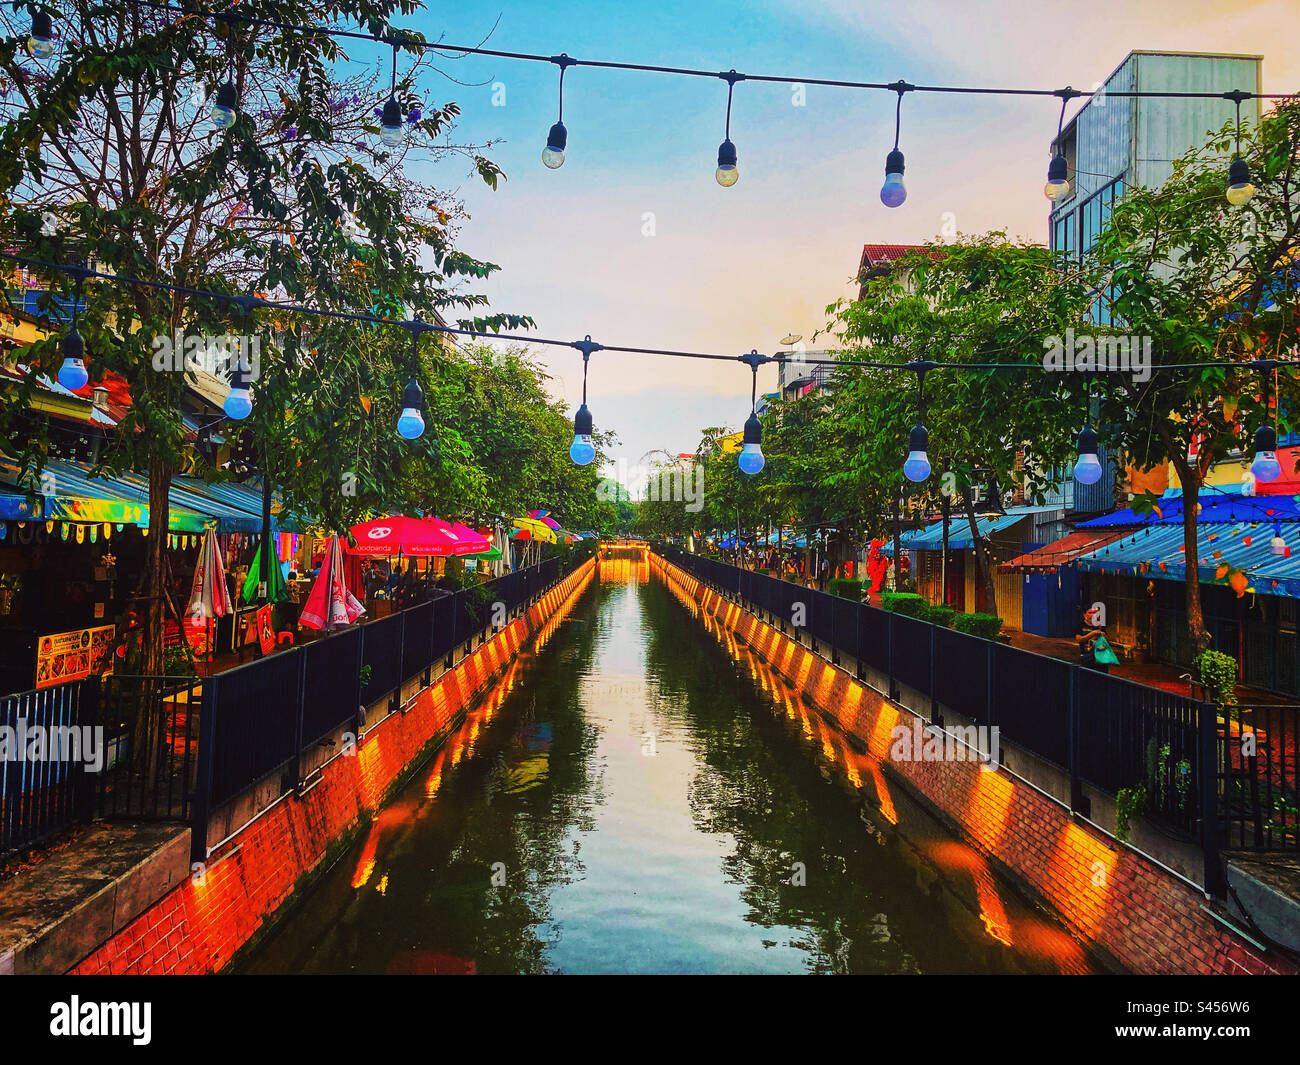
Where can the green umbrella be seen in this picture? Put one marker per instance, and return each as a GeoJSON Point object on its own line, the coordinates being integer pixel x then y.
{"type": "Point", "coordinates": [276, 592]}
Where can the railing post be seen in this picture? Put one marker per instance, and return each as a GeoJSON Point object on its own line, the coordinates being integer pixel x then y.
{"type": "Point", "coordinates": [202, 804]}
{"type": "Point", "coordinates": [893, 681]}
{"type": "Point", "coordinates": [1211, 828]}
{"type": "Point", "coordinates": [936, 718]}
{"type": "Point", "coordinates": [1072, 738]}
{"type": "Point", "coordinates": [296, 773]}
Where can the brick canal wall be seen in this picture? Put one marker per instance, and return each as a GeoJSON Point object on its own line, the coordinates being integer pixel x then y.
{"type": "Point", "coordinates": [200, 925]}
{"type": "Point", "coordinates": [1120, 904]}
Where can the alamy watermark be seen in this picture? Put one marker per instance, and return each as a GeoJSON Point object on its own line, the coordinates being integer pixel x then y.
{"type": "Point", "coordinates": [23, 742]}
{"type": "Point", "coordinates": [219, 355]}
{"type": "Point", "coordinates": [1086, 353]}
{"type": "Point", "coordinates": [680, 482]}
{"type": "Point", "coordinates": [960, 743]}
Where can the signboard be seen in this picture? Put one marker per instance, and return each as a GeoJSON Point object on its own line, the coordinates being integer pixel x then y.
{"type": "Point", "coordinates": [65, 656]}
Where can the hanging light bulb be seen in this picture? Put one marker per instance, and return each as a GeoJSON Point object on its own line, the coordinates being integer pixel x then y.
{"type": "Point", "coordinates": [390, 124]}
{"type": "Point", "coordinates": [72, 374]}
{"type": "Point", "coordinates": [558, 137]}
{"type": "Point", "coordinates": [917, 466]}
{"type": "Point", "coordinates": [582, 451]}
{"type": "Point", "coordinates": [1265, 466]}
{"type": "Point", "coordinates": [1087, 468]}
{"type": "Point", "coordinates": [1058, 170]}
{"type": "Point", "coordinates": [224, 106]}
{"type": "Point", "coordinates": [410, 423]}
{"type": "Point", "coordinates": [727, 173]}
{"type": "Point", "coordinates": [556, 141]}
{"type": "Point", "coordinates": [751, 459]}
{"type": "Point", "coordinates": [1239, 190]}
{"type": "Point", "coordinates": [239, 402]}
{"type": "Point", "coordinates": [893, 192]}
{"type": "Point", "coordinates": [1057, 182]}
{"type": "Point", "coordinates": [1277, 545]}
{"type": "Point", "coordinates": [41, 43]}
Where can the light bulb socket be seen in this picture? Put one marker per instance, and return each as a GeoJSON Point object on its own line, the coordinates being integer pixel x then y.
{"type": "Point", "coordinates": [1087, 444]}
{"type": "Point", "coordinates": [1265, 439]}
{"type": "Point", "coordinates": [558, 139]}
{"type": "Point", "coordinates": [582, 421]}
{"type": "Point", "coordinates": [42, 26]}
{"type": "Point", "coordinates": [392, 114]}
{"type": "Point", "coordinates": [726, 154]}
{"type": "Point", "coordinates": [894, 163]}
{"type": "Point", "coordinates": [227, 97]}
{"type": "Point", "coordinates": [73, 346]}
{"type": "Point", "coordinates": [1238, 172]}
{"type": "Point", "coordinates": [918, 439]}
{"type": "Point", "coordinates": [753, 431]}
{"type": "Point", "coordinates": [413, 396]}
{"type": "Point", "coordinates": [1057, 170]}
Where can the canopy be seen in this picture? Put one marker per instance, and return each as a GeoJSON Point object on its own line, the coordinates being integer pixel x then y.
{"type": "Point", "coordinates": [959, 539]}
{"type": "Point", "coordinates": [532, 529]}
{"type": "Point", "coordinates": [461, 540]}
{"type": "Point", "coordinates": [1216, 505]}
{"type": "Point", "coordinates": [1157, 552]}
{"type": "Point", "coordinates": [400, 535]}
{"type": "Point", "coordinates": [1050, 557]}
{"type": "Point", "coordinates": [68, 493]}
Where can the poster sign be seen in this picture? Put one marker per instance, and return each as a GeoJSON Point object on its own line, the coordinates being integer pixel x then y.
{"type": "Point", "coordinates": [65, 656]}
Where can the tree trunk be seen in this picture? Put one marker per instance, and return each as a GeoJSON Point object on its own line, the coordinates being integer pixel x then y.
{"type": "Point", "coordinates": [983, 571]}
{"type": "Point", "coordinates": [1197, 635]}
{"type": "Point", "coordinates": [148, 723]}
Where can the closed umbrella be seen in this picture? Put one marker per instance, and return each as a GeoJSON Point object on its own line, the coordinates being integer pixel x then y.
{"type": "Point", "coordinates": [277, 591]}
{"type": "Point", "coordinates": [330, 605]}
{"type": "Point", "coordinates": [209, 596]}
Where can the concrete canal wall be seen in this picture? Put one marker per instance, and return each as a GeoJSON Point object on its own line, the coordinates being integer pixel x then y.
{"type": "Point", "coordinates": [1118, 903]}
{"type": "Point", "coordinates": [200, 925]}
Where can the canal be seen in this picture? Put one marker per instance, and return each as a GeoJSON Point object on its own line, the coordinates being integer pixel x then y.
{"type": "Point", "coordinates": [636, 799]}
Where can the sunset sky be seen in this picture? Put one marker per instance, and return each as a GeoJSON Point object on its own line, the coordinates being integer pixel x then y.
{"type": "Point", "coordinates": [728, 270]}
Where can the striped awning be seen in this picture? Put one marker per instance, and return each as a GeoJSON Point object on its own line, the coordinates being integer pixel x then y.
{"type": "Point", "coordinates": [1223, 550]}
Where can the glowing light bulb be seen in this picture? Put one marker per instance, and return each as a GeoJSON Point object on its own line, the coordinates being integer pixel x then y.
{"type": "Point", "coordinates": [410, 424]}
{"type": "Point", "coordinates": [1240, 190]}
{"type": "Point", "coordinates": [727, 173]}
{"type": "Point", "coordinates": [893, 192]}
{"type": "Point", "coordinates": [751, 459]}
{"type": "Point", "coordinates": [222, 111]}
{"type": "Point", "coordinates": [390, 124]}
{"type": "Point", "coordinates": [1057, 178]}
{"type": "Point", "coordinates": [1266, 467]}
{"type": "Point", "coordinates": [556, 141]}
{"type": "Point", "coordinates": [41, 43]}
{"type": "Point", "coordinates": [72, 374]}
{"type": "Point", "coordinates": [1087, 470]}
{"type": "Point", "coordinates": [582, 451]}
{"type": "Point", "coordinates": [239, 403]}
{"type": "Point", "coordinates": [917, 466]}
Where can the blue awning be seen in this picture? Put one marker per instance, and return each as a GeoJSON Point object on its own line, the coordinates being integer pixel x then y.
{"type": "Point", "coordinates": [18, 506]}
{"type": "Point", "coordinates": [1157, 552]}
{"type": "Point", "coordinates": [245, 498]}
{"type": "Point", "coordinates": [959, 539]}
{"type": "Point", "coordinates": [184, 493]}
{"type": "Point", "coordinates": [1217, 506]}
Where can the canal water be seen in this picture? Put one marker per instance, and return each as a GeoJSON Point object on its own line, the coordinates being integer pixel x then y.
{"type": "Point", "coordinates": [636, 799]}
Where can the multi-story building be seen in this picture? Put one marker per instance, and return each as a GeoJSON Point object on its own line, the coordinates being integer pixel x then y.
{"type": "Point", "coordinates": [1117, 142]}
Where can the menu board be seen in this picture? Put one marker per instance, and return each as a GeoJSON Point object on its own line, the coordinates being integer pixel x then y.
{"type": "Point", "coordinates": [65, 656]}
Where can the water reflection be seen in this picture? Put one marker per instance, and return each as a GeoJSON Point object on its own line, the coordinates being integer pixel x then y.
{"type": "Point", "coordinates": [629, 801]}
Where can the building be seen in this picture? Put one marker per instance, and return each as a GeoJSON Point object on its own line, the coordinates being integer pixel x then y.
{"type": "Point", "coordinates": [1117, 142]}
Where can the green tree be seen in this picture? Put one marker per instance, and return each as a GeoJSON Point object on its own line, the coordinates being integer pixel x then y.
{"type": "Point", "coordinates": [1207, 282]}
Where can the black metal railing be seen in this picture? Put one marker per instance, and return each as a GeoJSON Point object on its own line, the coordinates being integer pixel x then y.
{"type": "Point", "coordinates": [1099, 729]}
{"type": "Point", "coordinates": [1259, 777]}
{"type": "Point", "coordinates": [327, 684]}
{"type": "Point", "coordinates": [175, 748]}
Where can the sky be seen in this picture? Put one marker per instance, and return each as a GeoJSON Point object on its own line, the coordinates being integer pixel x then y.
{"type": "Point", "coordinates": [633, 242]}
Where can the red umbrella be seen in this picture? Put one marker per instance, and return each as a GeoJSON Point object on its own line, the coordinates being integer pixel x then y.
{"type": "Point", "coordinates": [398, 535]}
{"type": "Point", "coordinates": [464, 541]}
{"type": "Point", "coordinates": [330, 605]}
